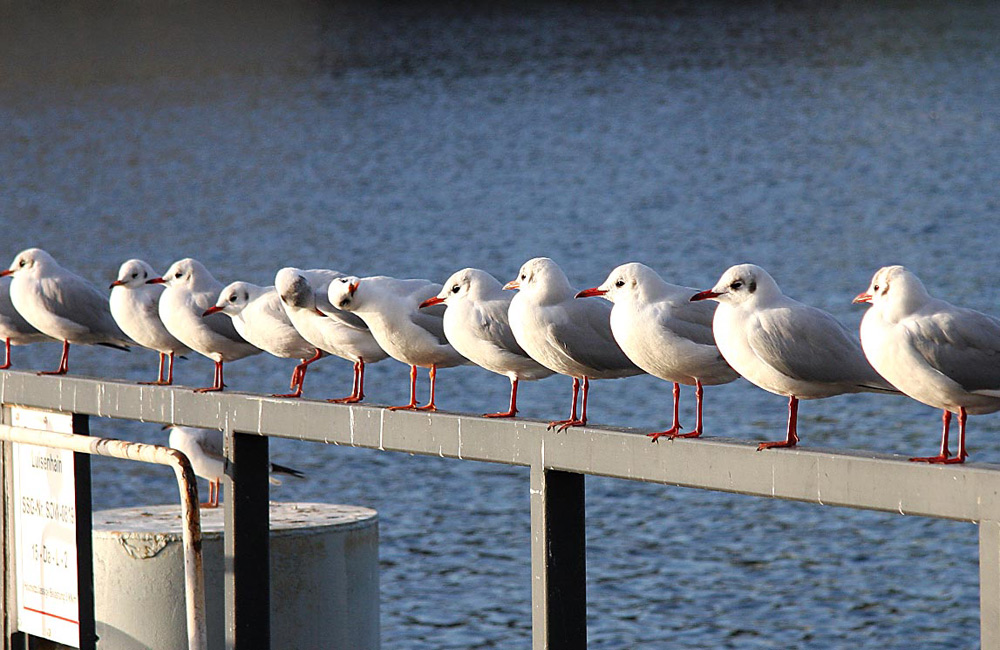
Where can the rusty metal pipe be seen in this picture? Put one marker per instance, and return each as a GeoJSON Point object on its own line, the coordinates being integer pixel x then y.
{"type": "Point", "coordinates": [194, 577]}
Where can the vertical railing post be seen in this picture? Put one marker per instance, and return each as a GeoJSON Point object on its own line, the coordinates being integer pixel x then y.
{"type": "Point", "coordinates": [84, 539]}
{"type": "Point", "coordinates": [989, 584]}
{"type": "Point", "coordinates": [248, 558]}
{"type": "Point", "coordinates": [558, 560]}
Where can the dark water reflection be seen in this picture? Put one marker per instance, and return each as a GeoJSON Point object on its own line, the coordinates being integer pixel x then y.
{"type": "Point", "coordinates": [820, 141]}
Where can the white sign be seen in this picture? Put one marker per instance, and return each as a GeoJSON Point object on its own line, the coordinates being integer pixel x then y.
{"type": "Point", "coordinates": [45, 533]}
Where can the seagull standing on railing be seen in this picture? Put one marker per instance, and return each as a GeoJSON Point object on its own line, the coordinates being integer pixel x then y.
{"type": "Point", "coordinates": [784, 346]}
{"type": "Point", "coordinates": [391, 309]}
{"type": "Point", "coordinates": [191, 290]}
{"type": "Point", "coordinates": [61, 304]}
{"type": "Point", "coordinates": [304, 297]}
{"type": "Point", "coordinates": [14, 330]}
{"type": "Point", "coordinates": [204, 448]}
{"type": "Point", "coordinates": [945, 356]}
{"type": "Point", "coordinates": [665, 334]}
{"type": "Point", "coordinates": [477, 326]}
{"type": "Point", "coordinates": [571, 337]}
{"type": "Point", "coordinates": [260, 319]}
{"type": "Point", "coordinates": [135, 306]}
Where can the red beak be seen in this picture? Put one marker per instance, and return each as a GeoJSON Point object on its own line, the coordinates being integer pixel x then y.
{"type": "Point", "coordinates": [513, 284]}
{"type": "Point", "coordinates": [116, 283]}
{"type": "Point", "coordinates": [156, 281]}
{"type": "Point", "coordinates": [211, 310]}
{"type": "Point", "coordinates": [5, 272]}
{"type": "Point", "coordinates": [705, 295]}
{"type": "Point", "coordinates": [862, 297]}
{"type": "Point", "coordinates": [590, 293]}
{"type": "Point", "coordinates": [319, 312]}
{"type": "Point", "coordinates": [431, 302]}
{"type": "Point", "coordinates": [352, 287]}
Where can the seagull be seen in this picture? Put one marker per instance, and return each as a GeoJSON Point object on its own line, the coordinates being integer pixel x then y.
{"type": "Point", "coordinates": [135, 307]}
{"type": "Point", "coordinates": [303, 294]}
{"type": "Point", "coordinates": [784, 346]}
{"type": "Point", "coordinates": [665, 334]}
{"type": "Point", "coordinates": [260, 319]}
{"type": "Point", "coordinates": [61, 304]}
{"type": "Point", "coordinates": [571, 337]}
{"type": "Point", "coordinates": [14, 330]}
{"type": "Point", "coordinates": [391, 309]}
{"type": "Point", "coordinates": [476, 324]}
{"type": "Point", "coordinates": [191, 290]}
{"type": "Point", "coordinates": [204, 449]}
{"type": "Point", "coordinates": [945, 356]}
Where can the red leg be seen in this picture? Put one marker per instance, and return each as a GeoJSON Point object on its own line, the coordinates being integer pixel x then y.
{"type": "Point", "coordinates": [170, 373]}
{"type": "Point", "coordinates": [213, 500]}
{"type": "Point", "coordinates": [572, 415]}
{"type": "Point", "coordinates": [945, 456]}
{"type": "Point", "coordinates": [676, 427]}
{"type": "Point", "coordinates": [582, 421]}
{"type": "Point", "coordinates": [430, 406]}
{"type": "Point", "coordinates": [6, 358]}
{"type": "Point", "coordinates": [160, 381]}
{"type": "Point", "coordinates": [413, 392]}
{"type": "Point", "coordinates": [63, 362]}
{"type": "Point", "coordinates": [299, 375]}
{"type": "Point", "coordinates": [791, 436]}
{"type": "Point", "coordinates": [699, 392]}
{"type": "Point", "coordinates": [217, 385]}
{"type": "Point", "coordinates": [512, 411]}
{"type": "Point", "coordinates": [357, 391]}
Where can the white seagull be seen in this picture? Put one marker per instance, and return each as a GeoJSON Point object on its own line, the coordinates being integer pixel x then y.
{"type": "Point", "coordinates": [191, 290]}
{"type": "Point", "coordinates": [945, 356]}
{"type": "Point", "coordinates": [61, 304]}
{"type": "Point", "coordinates": [477, 325]}
{"type": "Point", "coordinates": [571, 337]}
{"type": "Point", "coordinates": [391, 309]}
{"type": "Point", "coordinates": [303, 294]}
{"type": "Point", "coordinates": [14, 330]}
{"type": "Point", "coordinates": [784, 346]}
{"type": "Point", "coordinates": [135, 307]}
{"type": "Point", "coordinates": [665, 334]}
{"type": "Point", "coordinates": [261, 320]}
{"type": "Point", "coordinates": [204, 448]}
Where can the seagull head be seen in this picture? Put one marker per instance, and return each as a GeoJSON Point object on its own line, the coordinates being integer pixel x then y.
{"type": "Point", "coordinates": [543, 280]}
{"type": "Point", "coordinates": [29, 260]}
{"type": "Point", "coordinates": [294, 290]}
{"type": "Point", "coordinates": [233, 299]}
{"type": "Point", "coordinates": [343, 293]}
{"type": "Point", "coordinates": [187, 272]}
{"type": "Point", "coordinates": [741, 284]}
{"type": "Point", "coordinates": [133, 274]}
{"type": "Point", "coordinates": [625, 283]}
{"type": "Point", "coordinates": [894, 288]}
{"type": "Point", "coordinates": [467, 284]}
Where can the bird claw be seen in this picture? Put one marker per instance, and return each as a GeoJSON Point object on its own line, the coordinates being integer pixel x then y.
{"type": "Point", "coordinates": [940, 460]}
{"type": "Point", "coordinates": [350, 399]}
{"type": "Point", "coordinates": [777, 444]}
{"type": "Point", "coordinates": [562, 425]}
{"type": "Point", "coordinates": [502, 414]}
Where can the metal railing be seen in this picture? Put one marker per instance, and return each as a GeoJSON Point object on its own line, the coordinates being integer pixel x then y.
{"type": "Point", "coordinates": [558, 463]}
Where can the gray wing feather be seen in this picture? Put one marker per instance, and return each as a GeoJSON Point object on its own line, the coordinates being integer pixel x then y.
{"type": "Point", "coordinates": [75, 299]}
{"type": "Point", "coordinates": [962, 344]}
{"type": "Point", "coordinates": [585, 336]}
{"type": "Point", "coordinates": [494, 325]}
{"type": "Point", "coordinates": [808, 344]}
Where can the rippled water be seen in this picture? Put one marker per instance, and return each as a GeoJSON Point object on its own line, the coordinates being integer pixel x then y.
{"type": "Point", "coordinates": [818, 141]}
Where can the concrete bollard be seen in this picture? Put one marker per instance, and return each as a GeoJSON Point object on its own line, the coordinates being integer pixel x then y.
{"type": "Point", "coordinates": [324, 577]}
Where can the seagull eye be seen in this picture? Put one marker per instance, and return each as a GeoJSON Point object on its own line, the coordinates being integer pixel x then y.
{"type": "Point", "coordinates": [736, 285]}
{"type": "Point", "coordinates": [345, 302]}
{"type": "Point", "coordinates": [178, 274]}
{"type": "Point", "coordinates": [875, 288]}
{"type": "Point", "coordinates": [524, 276]}
{"type": "Point", "coordinates": [135, 275]}
{"type": "Point", "coordinates": [23, 262]}
{"type": "Point", "coordinates": [455, 289]}
{"type": "Point", "coordinates": [232, 298]}
{"type": "Point", "coordinates": [620, 284]}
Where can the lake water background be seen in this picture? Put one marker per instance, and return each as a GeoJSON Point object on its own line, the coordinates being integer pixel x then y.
{"type": "Point", "coordinates": [820, 141]}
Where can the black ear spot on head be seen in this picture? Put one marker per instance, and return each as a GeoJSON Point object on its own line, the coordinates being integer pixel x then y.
{"type": "Point", "coordinates": [753, 286]}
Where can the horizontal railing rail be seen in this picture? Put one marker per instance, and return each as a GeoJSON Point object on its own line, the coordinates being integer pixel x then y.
{"type": "Point", "coordinates": [968, 492]}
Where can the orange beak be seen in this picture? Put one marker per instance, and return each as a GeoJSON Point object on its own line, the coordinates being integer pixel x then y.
{"type": "Point", "coordinates": [864, 296]}
{"type": "Point", "coordinates": [704, 295]}
{"type": "Point", "coordinates": [430, 302]}
{"type": "Point", "coordinates": [211, 310]}
{"type": "Point", "coordinates": [116, 283]}
{"type": "Point", "coordinates": [513, 284]}
{"type": "Point", "coordinates": [590, 293]}
{"type": "Point", "coordinates": [156, 281]}
{"type": "Point", "coordinates": [5, 272]}
{"type": "Point", "coordinates": [319, 312]}
{"type": "Point", "coordinates": [352, 287]}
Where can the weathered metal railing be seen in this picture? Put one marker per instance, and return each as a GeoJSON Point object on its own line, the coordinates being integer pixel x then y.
{"type": "Point", "coordinates": [558, 463]}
